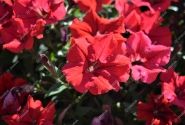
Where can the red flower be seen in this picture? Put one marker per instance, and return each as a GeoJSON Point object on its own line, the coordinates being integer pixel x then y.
{"type": "Point", "coordinates": [173, 88]}
{"type": "Point", "coordinates": [31, 10]}
{"type": "Point", "coordinates": [125, 7]}
{"type": "Point", "coordinates": [93, 25]}
{"type": "Point", "coordinates": [141, 21]}
{"type": "Point", "coordinates": [155, 112]}
{"type": "Point", "coordinates": [28, 21]}
{"type": "Point", "coordinates": [30, 17]}
{"type": "Point", "coordinates": [32, 113]}
{"type": "Point", "coordinates": [139, 15]}
{"type": "Point", "coordinates": [95, 5]}
{"type": "Point", "coordinates": [15, 37]}
{"type": "Point", "coordinates": [37, 13]}
{"type": "Point", "coordinates": [97, 67]}
{"type": "Point", "coordinates": [147, 59]}
{"type": "Point", "coordinates": [10, 86]}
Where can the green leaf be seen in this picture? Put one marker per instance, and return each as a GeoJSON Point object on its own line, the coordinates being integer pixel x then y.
{"type": "Point", "coordinates": [55, 89]}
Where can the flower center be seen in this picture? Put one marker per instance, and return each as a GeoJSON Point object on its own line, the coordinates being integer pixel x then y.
{"type": "Point", "coordinates": [92, 67]}
{"type": "Point", "coordinates": [137, 60]}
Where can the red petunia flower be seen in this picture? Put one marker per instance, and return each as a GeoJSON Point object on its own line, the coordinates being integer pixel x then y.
{"type": "Point", "coordinates": [173, 88]}
{"type": "Point", "coordinates": [17, 31]}
{"type": "Point", "coordinates": [95, 5]}
{"type": "Point", "coordinates": [144, 21]}
{"type": "Point", "coordinates": [15, 37]}
{"type": "Point", "coordinates": [147, 59]}
{"type": "Point", "coordinates": [32, 113]}
{"type": "Point", "coordinates": [93, 25]}
{"type": "Point", "coordinates": [10, 85]}
{"type": "Point", "coordinates": [124, 7]}
{"type": "Point", "coordinates": [30, 17]}
{"type": "Point", "coordinates": [31, 10]}
{"type": "Point", "coordinates": [98, 66]}
{"type": "Point", "coordinates": [155, 112]}
{"type": "Point", "coordinates": [37, 13]}
{"type": "Point", "coordinates": [139, 15]}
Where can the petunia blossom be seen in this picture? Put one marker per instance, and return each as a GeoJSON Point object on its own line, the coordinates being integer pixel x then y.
{"type": "Point", "coordinates": [155, 112]}
{"type": "Point", "coordinates": [147, 59]}
{"type": "Point", "coordinates": [31, 10]}
{"type": "Point", "coordinates": [125, 7]}
{"type": "Point", "coordinates": [93, 25]}
{"type": "Point", "coordinates": [32, 113]}
{"type": "Point", "coordinates": [15, 37]}
{"type": "Point", "coordinates": [97, 67]}
{"type": "Point", "coordinates": [173, 88]}
{"type": "Point", "coordinates": [139, 15]}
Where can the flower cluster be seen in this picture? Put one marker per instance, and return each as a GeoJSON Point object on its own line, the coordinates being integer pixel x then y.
{"type": "Point", "coordinates": [22, 20]}
{"type": "Point", "coordinates": [107, 52]}
{"type": "Point", "coordinates": [104, 53]}
{"type": "Point", "coordinates": [17, 107]}
{"type": "Point", "coordinates": [157, 110]}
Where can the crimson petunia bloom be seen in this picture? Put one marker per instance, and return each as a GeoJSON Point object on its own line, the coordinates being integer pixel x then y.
{"type": "Point", "coordinates": [93, 25]}
{"type": "Point", "coordinates": [95, 5]}
{"type": "Point", "coordinates": [29, 19]}
{"type": "Point", "coordinates": [8, 102]}
{"type": "Point", "coordinates": [139, 15]}
{"type": "Point", "coordinates": [125, 7]}
{"type": "Point", "coordinates": [173, 88]}
{"type": "Point", "coordinates": [35, 14]}
{"type": "Point", "coordinates": [144, 21]}
{"type": "Point", "coordinates": [33, 113]}
{"type": "Point", "coordinates": [96, 67]}
{"type": "Point", "coordinates": [15, 37]}
{"type": "Point", "coordinates": [31, 10]}
{"type": "Point", "coordinates": [155, 112]}
{"type": "Point", "coordinates": [147, 59]}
